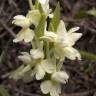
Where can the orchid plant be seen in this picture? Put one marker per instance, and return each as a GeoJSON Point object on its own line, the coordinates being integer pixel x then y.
{"type": "Point", "coordinates": [51, 45]}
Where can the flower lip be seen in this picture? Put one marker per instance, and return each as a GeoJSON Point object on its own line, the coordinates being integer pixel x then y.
{"type": "Point", "coordinates": [48, 86]}
{"type": "Point", "coordinates": [60, 76]}
{"type": "Point", "coordinates": [25, 34]}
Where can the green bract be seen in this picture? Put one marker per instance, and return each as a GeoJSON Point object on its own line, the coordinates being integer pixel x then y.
{"type": "Point", "coordinates": [51, 44]}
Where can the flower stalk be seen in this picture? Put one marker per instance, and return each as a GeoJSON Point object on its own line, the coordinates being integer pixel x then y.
{"type": "Point", "coordinates": [51, 45]}
{"type": "Point", "coordinates": [31, 4]}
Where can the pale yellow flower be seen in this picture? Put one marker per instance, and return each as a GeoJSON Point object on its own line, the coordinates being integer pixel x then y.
{"type": "Point", "coordinates": [53, 86]}
{"type": "Point", "coordinates": [67, 38]}
{"type": "Point", "coordinates": [43, 67]}
{"type": "Point", "coordinates": [34, 17]}
{"type": "Point", "coordinates": [64, 41]}
{"type": "Point", "coordinates": [25, 34]}
{"type": "Point", "coordinates": [40, 65]}
{"type": "Point", "coordinates": [25, 22]}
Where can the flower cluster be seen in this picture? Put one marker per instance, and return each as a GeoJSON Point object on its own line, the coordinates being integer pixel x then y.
{"type": "Point", "coordinates": [51, 44]}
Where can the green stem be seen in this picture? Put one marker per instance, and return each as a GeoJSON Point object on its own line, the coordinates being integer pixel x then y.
{"type": "Point", "coordinates": [88, 56]}
{"type": "Point", "coordinates": [37, 42]}
{"type": "Point", "coordinates": [30, 4]}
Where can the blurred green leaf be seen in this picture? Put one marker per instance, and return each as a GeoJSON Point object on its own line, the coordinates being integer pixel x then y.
{"type": "Point", "coordinates": [88, 56]}
{"type": "Point", "coordinates": [3, 91]}
{"type": "Point", "coordinates": [87, 67]}
{"type": "Point", "coordinates": [39, 31]}
{"type": "Point", "coordinates": [38, 6]}
{"type": "Point", "coordinates": [55, 20]}
{"type": "Point", "coordinates": [80, 14]}
{"type": "Point", "coordinates": [92, 12]}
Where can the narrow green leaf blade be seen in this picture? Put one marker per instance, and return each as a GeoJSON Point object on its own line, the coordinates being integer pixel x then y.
{"type": "Point", "coordinates": [88, 56]}
{"type": "Point", "coordinates": [39, 31]}
{"type": "Point", "coordinates": [36, 4]}
{"type": "Point", "coordinates": [55, 20]}
{"type": "Point", "coordinates": [3, 91]}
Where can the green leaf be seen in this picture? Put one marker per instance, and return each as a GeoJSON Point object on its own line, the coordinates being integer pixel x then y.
{"type": "Point", "coordinates": [55, 20]}
{"type": "Point", "coordinates": [39, 31]}
{"type": "Point", "coordinates": [38, 6]}
{"type": "Point", "coordinates": [88, 56]}
{"type": "Point", "coordinates": [3, 91]}
{"type": "Point", "coordinates": [80, 14]}
{"type": "Point", "coordinates": [92, 12]}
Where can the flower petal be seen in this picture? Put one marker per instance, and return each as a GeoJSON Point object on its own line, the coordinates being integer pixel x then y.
{"type": "Point", "coordinates": [58, 88]}
{"type": "Point", "coordinates": [25, 57]}
{"type": "Point", "coordinates": [46, 86]}
{"type": "Point", "coordinates": [51, 36]}
{"type": "Point", "coordinates": [19, 37]}
{"type": "Point", "coordinates": [74, 29]}
{"type": "Point", "coordinates": [55, 91]}
{"type": "Point", "coordinates": [28, 35]}
{"type": "Point", "coordinates": [21, 21]}
{"type": "Point", "coordinates": [75, 36]}
{"type": "Point", "coordinates": [60, 76]}
{"type": "Point", "coordinates": [25, 34]}
{"type": "Point", "coordinates": [61, 31]}
{"type": "Point", "coordinates": [34, 17]}
{"type": "Point", "coordinates": [58, 52]}
{"type": "Point", "coordinates": [72, 53]}
{"type": "Point", "coordinates": [37, 54]}
{"type": "Point", "coordinates": [40, 73]}
{"type": "Point", "coordinates": [48, 66]}
{"type": "Point", "coordinates": [19, 17]}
